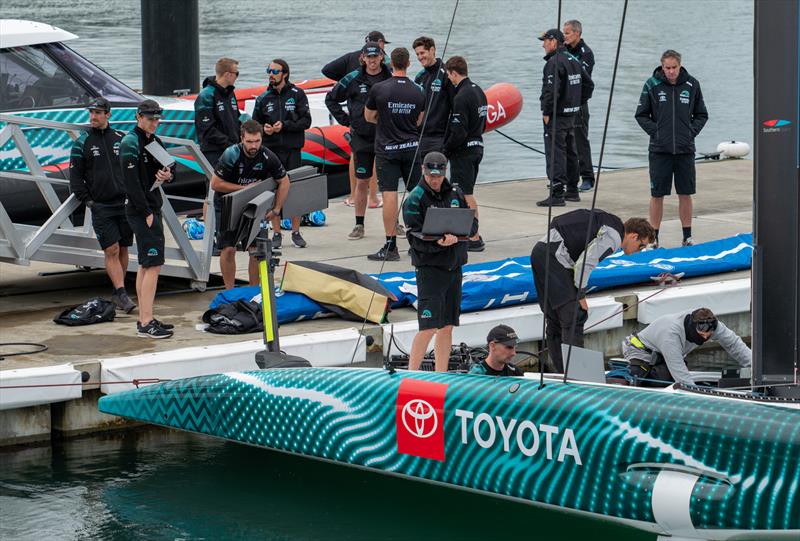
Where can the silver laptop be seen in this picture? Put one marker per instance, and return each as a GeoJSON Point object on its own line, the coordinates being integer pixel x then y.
{"type": "Point", "coordinates": [584, 364]}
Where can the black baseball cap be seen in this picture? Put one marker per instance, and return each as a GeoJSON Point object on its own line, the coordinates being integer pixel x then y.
{"type": "Point", "coordinates": [503, 334]}
{"type": "Point", "coordinates": [553, 33]}
{"type": "Point", "coordinates": [371, 48]}
{"type": "Point", "coordinates": [150, 108]}
{"type": "Point", "coordinates": [434, 163]}
{"type": "Point", "coordinates": [99, 104]}
{"type": "Point", "coordinates": [376, 36]}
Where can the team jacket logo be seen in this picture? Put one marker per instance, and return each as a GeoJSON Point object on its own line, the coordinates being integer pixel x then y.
{"type": "Point", "coordinates": [419, 414]}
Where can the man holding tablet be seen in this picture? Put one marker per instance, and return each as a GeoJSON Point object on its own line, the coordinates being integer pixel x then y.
{"type": "Point", "coordinates": [438, 262]}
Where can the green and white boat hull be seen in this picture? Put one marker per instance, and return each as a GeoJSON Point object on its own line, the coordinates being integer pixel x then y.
{"type": "Point", "coordinates": [695, 467]}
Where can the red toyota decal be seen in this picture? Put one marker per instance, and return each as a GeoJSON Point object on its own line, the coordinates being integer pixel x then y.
{"type": "Point", "coordinates": [419, 415]}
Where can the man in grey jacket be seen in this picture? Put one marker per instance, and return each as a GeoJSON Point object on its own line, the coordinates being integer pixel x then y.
{"type": "Point", "coordinates": [658, 351]}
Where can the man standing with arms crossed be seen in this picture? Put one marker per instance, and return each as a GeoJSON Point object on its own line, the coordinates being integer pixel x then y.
{"type": "Point", "coordinates": [672, 112]}
{"type": "Point", "coordinates": [573, 30]}
{"type": "Point", "coordinates": [141, 172]}
{"type": "Point", "coordinates": [396, 106]}
{"type": "Point", "coordinates": [240, 166]}
{"type": "Point", "coordinates": [95, 178]}
{"type": "Point", "coordinates": [283, 110]}
{"type": "Point", "coordinates": [464, 142]}
{"type": "Point", "coordinates": [438, 263]}
{"type": "Point", "coordinates": [354, 89]}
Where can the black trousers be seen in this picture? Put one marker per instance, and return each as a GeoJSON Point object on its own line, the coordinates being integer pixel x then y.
{"type": "Point", "coordinates": [561, 303]}
{"type": "Point", "coordinates": [564, 152]}
{"type": "Point", "coordinates": [582, 166]}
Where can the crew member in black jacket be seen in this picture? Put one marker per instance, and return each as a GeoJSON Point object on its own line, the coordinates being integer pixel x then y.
{"type": "Point", "coordinates": [216, 112]}
{"type": "Point", "coordinates": [438, 263]}
{"type": "Point", "coordinates": [574, 88]}
{"type": "Point", "coordinates": [354, 89]}
{"type": "Point", "coordinates": [337, 69]}
{"type": "Point", "coordinates": [141, 172]}
{"type": "Point", "coordinates": [284, 112]}
{"type": "Point", "coordinates": [439, 94]}
{"type": "Point", "coordinates": [95, 178]}
{"type": "Point", "coordinates": [464, 142]}
{"type": "Point", "coordinates": [567, 251]}
{"type": "Point", "coordinates": [573, 30]}
{"type": "Point", "coordinates": [672, 112]}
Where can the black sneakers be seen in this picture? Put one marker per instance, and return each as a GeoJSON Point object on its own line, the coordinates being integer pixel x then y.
{"type": "Point", "coordinates": [167, 326]}
{"type": "Point", "coordinates": [152, 330]}
{"type": "Point", "coordinates": [385, 254]}
{"type": "Point", "coordinates": [476, 245]}
{"type": "Point", "coordinates": [123, 302]}
{"type": "Point", "coordinates": [297, 239]}
{"type": "Point", "coordinates": [572, 196]}
{"type": "Point", "coordinates": [552, 202]}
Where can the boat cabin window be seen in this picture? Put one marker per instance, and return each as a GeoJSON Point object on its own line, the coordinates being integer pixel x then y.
{"type": "Point", "coordinates": [93, 76]}
{"type": "Point", "coordinates": [53, 76]}
{"type": "Point", "coordinates": [30, 79]}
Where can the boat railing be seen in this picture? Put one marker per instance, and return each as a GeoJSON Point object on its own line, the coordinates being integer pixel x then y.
{"type": "Point", "coordinates": [59, 240]}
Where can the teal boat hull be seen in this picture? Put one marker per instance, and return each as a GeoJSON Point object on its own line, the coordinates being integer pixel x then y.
{"type": "Point", "coordinates": [694, 467]}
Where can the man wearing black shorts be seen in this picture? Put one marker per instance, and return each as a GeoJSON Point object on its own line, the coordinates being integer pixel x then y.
{"type": "Point", "coordinates": [464, 142]}
{"type": "Point", "coordinates": [396, 106]}
{"type": "Point", "coordinates": [438, 263]}
{"type": "Point", "coordinates": [284, 112]}
{"type": "Point", "coordinates": [353, 89]}
{"type": "Point", "coordinates": [672, 112]}
{"type": "Point", "coordinates": [240, 166]}
{"type": "Point", "coordinates": [141, 172]}
{"type": "Point", "coordinates": [95, 178]}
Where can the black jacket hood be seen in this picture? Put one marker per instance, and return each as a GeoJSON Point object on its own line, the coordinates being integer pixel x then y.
{"type": "Point", "coordinates": [683, 76]}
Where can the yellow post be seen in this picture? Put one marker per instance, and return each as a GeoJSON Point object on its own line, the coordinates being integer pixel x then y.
{"type": "Point", "coordinates": [266, 300]}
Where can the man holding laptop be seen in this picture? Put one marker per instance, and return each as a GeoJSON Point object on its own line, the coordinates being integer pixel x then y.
{"type": "Point", "coordinates": [438, 224]}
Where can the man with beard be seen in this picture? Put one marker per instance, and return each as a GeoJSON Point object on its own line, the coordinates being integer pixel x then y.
{"type": "Point", "coordinates": [658, 351]}
{"type": "Point", "coordinates": [95, 178]}
{"type": "Point", "coordinates": [284, 112]}
{"type": "Point", "coordinates": [354, 89]}
{"type": "Point", "coordinates": [141, 172]}
{"type": "Point", "coordinates": [240, 166]}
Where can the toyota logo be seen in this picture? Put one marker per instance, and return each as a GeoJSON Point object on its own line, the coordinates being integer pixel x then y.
{"type": "Point", "coordinates": [423, 417]}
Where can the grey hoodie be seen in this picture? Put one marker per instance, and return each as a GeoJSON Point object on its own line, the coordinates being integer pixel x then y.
{"type": "Point", "coordinates": [666, 335]}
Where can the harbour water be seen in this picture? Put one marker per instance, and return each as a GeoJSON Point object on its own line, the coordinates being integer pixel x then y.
{"type": "Point", "coordinates": [498, 38]}
{"type": "Point", "coordinates": [151, 484]}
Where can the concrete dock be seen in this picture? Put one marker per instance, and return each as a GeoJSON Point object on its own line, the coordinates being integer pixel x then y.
{"type": "Point", "coordinates": [510, 224]}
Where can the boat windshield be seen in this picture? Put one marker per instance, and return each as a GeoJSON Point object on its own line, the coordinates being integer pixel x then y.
{"type": "Point", "coordinates": [53, 76]}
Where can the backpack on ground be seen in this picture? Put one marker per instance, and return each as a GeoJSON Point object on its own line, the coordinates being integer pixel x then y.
{"type": "Point", "coordinates": [97, 310]}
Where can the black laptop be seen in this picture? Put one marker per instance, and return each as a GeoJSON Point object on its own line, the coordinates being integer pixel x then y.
{"type": "Point", "coordinates": [442, 221]}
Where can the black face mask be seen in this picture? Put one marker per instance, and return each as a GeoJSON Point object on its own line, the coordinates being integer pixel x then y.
{"type": "Point", "coordinates": [691, 331]}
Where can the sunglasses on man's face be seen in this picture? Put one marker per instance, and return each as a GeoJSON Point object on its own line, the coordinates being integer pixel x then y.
{"type": "Point", "coordinates": [273, 71]}
{"type": "Point", "coordinates": [236, 73]}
